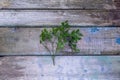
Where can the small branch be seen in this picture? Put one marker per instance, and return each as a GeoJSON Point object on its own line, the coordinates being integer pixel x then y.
{"type": "Point", "coordinates": [53, 50]}
{"type": "Point", "coordinates": [47, 48]}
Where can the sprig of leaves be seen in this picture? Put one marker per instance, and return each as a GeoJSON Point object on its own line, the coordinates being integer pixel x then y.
{"type": "Point", "coordinates": [59, 37]}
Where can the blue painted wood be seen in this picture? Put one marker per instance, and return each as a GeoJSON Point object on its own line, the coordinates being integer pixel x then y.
{"type": "Point", "coordinates": [118, 40]}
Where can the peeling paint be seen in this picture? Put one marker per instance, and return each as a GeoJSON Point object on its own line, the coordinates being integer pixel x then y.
{"type": "Point", "coordinates": [94, 30]}
{"type": "Point", "coordinates": [118, 40]}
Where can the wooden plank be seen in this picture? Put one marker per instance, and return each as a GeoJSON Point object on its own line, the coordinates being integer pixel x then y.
{"type": "Point", "coordinates": [66, 68]}
{"type": "Point", "coordinates": [25, 41]}
{"type": "Point", "coordinates": [65, 4]}
{"type": "Point", "coordinates": [54, 17]}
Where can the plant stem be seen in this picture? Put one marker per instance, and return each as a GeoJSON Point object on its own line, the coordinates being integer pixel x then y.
{"type": "Point", "coordinates": [51, 53]}
{"type": "Point", "coordinates": [53, 59]}
{"type": "Point", "coordinates": [47, 48]}
{"type": "Point", "coordinates": [53, 50]}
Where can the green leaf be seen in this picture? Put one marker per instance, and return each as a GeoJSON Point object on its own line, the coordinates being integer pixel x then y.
{"type": "Point", "coordinates": [77, 31]}
{"type": "Point", "coordinates": [60, 45]}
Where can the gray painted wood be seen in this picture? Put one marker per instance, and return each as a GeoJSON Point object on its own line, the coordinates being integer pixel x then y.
{"type": "Point", "coordinates": [25, 41]}
{"type": "Point", "coordinates": [66, 68]}
{"type": "Point", "coordinates": [65, 4]}
{"type": "Point", "coordinates": [54, 17]}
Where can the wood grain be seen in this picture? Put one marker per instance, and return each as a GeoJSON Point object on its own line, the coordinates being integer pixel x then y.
{"type": "Point", "coordinates": [54, 17]}
{"type": "Point", "coordinates": [25, 41]}
{"type": "Point", "coordinates": [64, 4]}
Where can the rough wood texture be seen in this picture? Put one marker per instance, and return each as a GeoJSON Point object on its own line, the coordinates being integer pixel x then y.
{"type": "Point", "coordinates": [66, 68]}
{"type": "Point", "coordinates": [96, 40]}
{"type": "Point", "coordinates": [54, 17]}
{"type": "Point", "coordinates": [26, 41]}
{"type": "Point", "coordinates": [65, 4]}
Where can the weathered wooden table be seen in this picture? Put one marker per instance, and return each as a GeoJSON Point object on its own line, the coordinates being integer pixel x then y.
{"type": "Point", "coordinates": [21, 22]}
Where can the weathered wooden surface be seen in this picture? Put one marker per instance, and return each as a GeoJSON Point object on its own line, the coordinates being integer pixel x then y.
{"type": "Point", "coordinates": [96, 40]}
{"type": "Point", "coordinates": [87, 4]}
{"type": "Point", "coordinates": [66, 68]}
{"type": "Point", "coordinates": [54, 17]}
{"type": "Point", "coordinates": [26, 40]}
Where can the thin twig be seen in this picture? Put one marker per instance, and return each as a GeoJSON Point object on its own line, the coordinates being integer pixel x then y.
{"type": "Point", "coordinates": [47, 49]}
